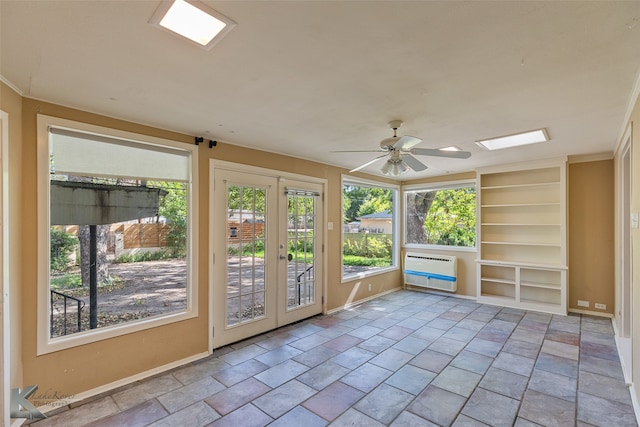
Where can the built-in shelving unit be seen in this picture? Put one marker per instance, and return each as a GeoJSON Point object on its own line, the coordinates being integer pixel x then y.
{"type": "Point", "coordinates": [522, 237]}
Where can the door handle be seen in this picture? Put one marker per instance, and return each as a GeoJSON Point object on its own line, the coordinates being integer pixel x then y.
{"type": "Point", "coordinates": [289, 257]}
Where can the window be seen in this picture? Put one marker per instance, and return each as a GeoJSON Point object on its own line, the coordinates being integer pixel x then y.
{"type": "Point", "coordinates": [369, 243]}
{"type": "Point", "coordinates": [443, 215]}
{"type": "Point", "coordinates": [117, 220]}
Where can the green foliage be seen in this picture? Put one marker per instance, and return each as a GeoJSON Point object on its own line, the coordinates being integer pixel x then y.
{"type": "Point", "coordinates": [362, 200]}
{"type": "Point", "coordinates": [62, 246]}
{"type": "Point", "coordinates": [67, 281]}
{"type": "Point", "coordinates": [246, 199]}
{"type": "Point", "coordinates": [173, 207]}
{"type": "Point", "coordinates": [452, 218]}
{"type": "Point", "coordinates": [368, 245]}
{"type": "Point", "coordinates": [143, 256]}
{"type": "Point", "coordinates": [365, 261]}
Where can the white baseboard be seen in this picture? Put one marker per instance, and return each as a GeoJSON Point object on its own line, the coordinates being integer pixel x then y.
{"type": "Point", "coordinates": [361, 301]}
{"type": "Point", "coordinates": [621, 346]}
{"type": "Point", "coordinates": [85, 395]}
{"type": "Point", "coordinates": [590, 313]}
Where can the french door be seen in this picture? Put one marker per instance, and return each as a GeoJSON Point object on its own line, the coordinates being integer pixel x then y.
{"type": "Point", "coordinates": [267, 243]}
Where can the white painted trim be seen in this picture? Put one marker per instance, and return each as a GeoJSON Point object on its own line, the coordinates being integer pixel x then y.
{"type": "Point", "coordinates": [361, 301]}
{"type": "Point", "coordinates": [590, 313]}
{"type": "Point", "coordinates": [633, 99]}
{"type": "Point", "coordinates": [119, 383]}
{"type": "Point", "coordinates": [46, 344]}
{"type": "Point", "coordinates": [439, 293]}
{"type": "Point", "coordinates": [396, 221]}
{"type": "Point", "coordinates": [13, 87]}
{"type": "Point", "coordinates": [5, 344]}
{"type": "Point", "coordinates": [521, 166]}
{"type": "Point", "coordinates": [280, 176]}
{"type": "Point", "coordinates": [595, 157]}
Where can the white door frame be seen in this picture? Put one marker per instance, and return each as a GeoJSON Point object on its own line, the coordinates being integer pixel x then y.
{"type": "Point", "coordinates": [5, 356]}
{"type": "Point", "coordinates": [322, 228]}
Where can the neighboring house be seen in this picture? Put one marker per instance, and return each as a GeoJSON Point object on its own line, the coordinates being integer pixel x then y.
{"type": "Point", "coordinates": [379, 222]}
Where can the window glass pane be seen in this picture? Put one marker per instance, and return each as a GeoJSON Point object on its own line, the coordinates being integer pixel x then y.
{"type": "Point", "coordinates": [368, 228]}
{"type": "Point", "coordinates": [118, 245]}
{"type": "Point", "coordinates": [444, 217]}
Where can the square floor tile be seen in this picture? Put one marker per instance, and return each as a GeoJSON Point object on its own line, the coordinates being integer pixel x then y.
{"type": "Point", "coordinates": [246, 416]}
{"type": "Point", "coordinates": [557, 365]}
{"type": "Point", "coordinates": [491, 408]}
{"type": "Point", "coordinates": [384, 403]}
{"type": "Point", "coordinates": [333, 400]}
{"type": "Point", "coordinates": [237, 395]}
{"type": "Point", "coordinates": [503, 382]}
{"type": "Point", "coordinates": [553, 384]}
{"type": "Point", "coordinates": [284, 398]}
{"type": "Point", "coordinates": [547, 410]}
{"type": "Point", "coordinates": [437, 405]}
{"type": "Point", "coordinates": [603, 412]}
{"type": "Point", "coordinates": [431, 360]}
{"type": "Point", "coordinates": [457, 381]}
{"type": "Point", "coordinates": [297, 417]}
{"type": "Point", "coordinates": [411, 379]}
{"type": "Point", "coordinates": [513, 363]}
{"type": "Point", "coordinates": [281, 373]}
{"type": "Point", "coordinates": [474, 362]}
{"type": "Point", "coordinates": [366, 377]}
{"type": "Point", "coordinates": [323, 375]}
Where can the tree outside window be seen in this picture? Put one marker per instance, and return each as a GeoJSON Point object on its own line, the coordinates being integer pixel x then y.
{"type": "Point", "coordinates": [445, 217]}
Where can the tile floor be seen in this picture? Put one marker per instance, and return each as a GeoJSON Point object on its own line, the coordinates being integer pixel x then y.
{"type": "Point", "coordinates": [405, 359]}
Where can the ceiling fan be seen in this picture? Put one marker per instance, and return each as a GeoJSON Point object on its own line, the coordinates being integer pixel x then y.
{"type": "Point", "coordinates": [400, 151]}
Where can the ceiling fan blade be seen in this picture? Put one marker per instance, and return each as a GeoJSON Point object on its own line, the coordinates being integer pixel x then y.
{"type": "Point", "coordinates": [414, 163]}
{"type": "Point", "coordinates": [406, 142]}
{"type": "Point", "coordinates": [357, 151]}
{"type": "Point", "coordinates": [440, 153]}
{"type": "Point", "coordinates": [367, 164]}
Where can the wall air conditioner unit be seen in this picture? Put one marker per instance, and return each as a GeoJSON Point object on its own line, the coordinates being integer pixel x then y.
{"type": "Point", "coordinates": [431, 271]}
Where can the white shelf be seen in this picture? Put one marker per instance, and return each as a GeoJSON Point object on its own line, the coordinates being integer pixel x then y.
{"type": "Point", "coordinates": [496, 280]}
{"type": "Point", "coordinates": [522, 234]}
{"type": "Point", "coordinates": [533, 185]}
{"type": "Point", "coordinates": [518, 224]}
{"type": "Point", "coordinates": [519, 205]}
{"type": "Point", "coordinates": [522, 244]}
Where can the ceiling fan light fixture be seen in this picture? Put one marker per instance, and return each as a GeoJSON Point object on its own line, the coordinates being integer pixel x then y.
{"type": "Point", "coordinates": [515, 140]}
{"type": "Point", "coordinates": [394, 167]}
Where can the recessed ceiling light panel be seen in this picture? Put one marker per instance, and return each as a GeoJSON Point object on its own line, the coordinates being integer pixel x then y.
{"type": "Point", "coordinates": [192, 20]}
{"type": "Point", "coordinates": [516, 140]}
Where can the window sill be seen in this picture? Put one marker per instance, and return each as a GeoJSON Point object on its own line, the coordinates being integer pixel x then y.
{"type": "Point", "coordinates": [441, 248]}
{"type": "Point", "coordinates": [365, 274]}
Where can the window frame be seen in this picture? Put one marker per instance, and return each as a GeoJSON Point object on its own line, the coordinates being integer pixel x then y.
{"type": "Point", "coordinates": [47, 344]}
{"type": "Point", "coordinates": [435, 186]}
{"type": "Point", "coordinates": [396, 204]}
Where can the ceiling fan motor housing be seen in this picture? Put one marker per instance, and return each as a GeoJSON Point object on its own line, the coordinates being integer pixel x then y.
{"type": "Point", "coordinates": [388, 143]}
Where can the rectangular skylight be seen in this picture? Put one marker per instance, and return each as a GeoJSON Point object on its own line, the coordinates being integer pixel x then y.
{"type": "Point", "coordinates": [516, 140]}
{"type": "Point", "coordinates": [193, 21]}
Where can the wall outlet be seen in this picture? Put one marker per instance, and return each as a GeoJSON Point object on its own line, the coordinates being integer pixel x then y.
{"type": "Point", "coordinates": [582, 303]}
{"type": "Point", "coordinates": [601, 306]}
{"type": "Point", "coordinates": [369, 287]}
{"type": "Point", "coordinates": [329, 225]}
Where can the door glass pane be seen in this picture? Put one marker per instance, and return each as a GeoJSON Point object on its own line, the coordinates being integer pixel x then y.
{"type": "Point", "coordinates": [246, 215]}
{"type": "Point", "coordinates": [300, 246]}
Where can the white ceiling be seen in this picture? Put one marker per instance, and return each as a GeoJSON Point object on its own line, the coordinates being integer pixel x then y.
{"type": "Point", "coordinates": [305, 78]}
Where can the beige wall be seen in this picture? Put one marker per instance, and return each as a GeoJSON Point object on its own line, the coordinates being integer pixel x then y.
{"type": "Point", "coordinates": [89, 366]}
{"type": "Point", "coordinates": [11, 103]}
{"type": "Point", "coordinates": [591, 235]}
